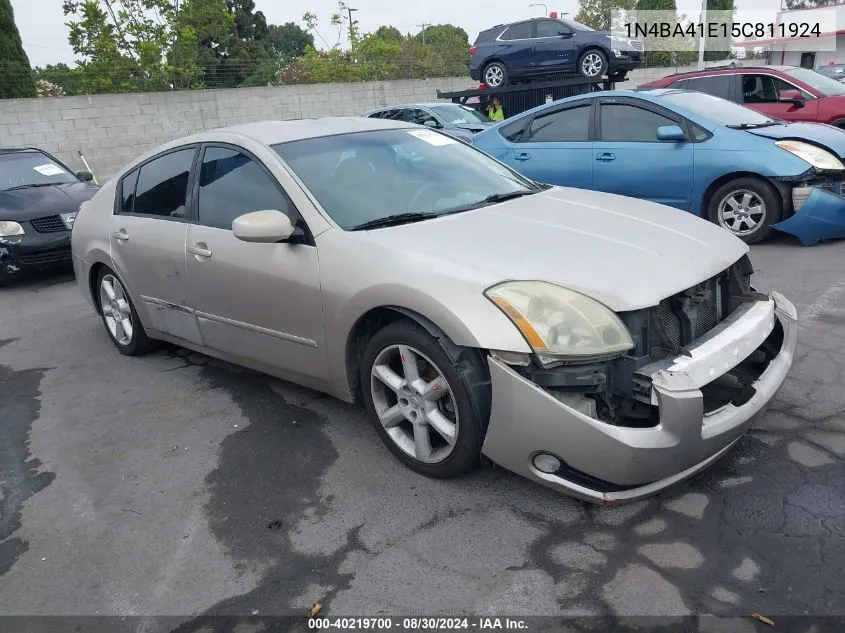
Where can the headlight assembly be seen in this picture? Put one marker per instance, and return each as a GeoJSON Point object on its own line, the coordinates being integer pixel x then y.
{"type": "Point", "coordinates": [8, 229]}
{"type": "Point", "coordinates": [816, 156]}
{"type": "Point", "coordinates": [560, 324]}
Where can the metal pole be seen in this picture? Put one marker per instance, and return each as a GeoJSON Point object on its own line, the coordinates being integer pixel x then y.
{"type": "Point", "coordinates": [703, 38]}
{"type": "Point", "coordinates": [540, 4]}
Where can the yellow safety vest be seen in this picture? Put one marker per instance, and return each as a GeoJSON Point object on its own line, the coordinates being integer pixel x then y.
{"type": "Point", "coordinates": [496, 113]}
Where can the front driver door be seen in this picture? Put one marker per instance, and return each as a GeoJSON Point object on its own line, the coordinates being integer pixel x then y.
{"type": "Point", "coordinates": [763, 93]}
{"type": "Point", "coordinates": [259, 302]}
{"type": "Point", "coordinates": [147, 239]}
{"type": "Point", "coordinates": [556, 148]}
{"type": "Point", "coordinates": [555, 46]}
{"type": "Point", "coordinates": [629, 160]}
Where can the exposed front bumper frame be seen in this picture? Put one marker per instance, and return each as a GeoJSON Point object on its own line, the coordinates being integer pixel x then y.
{"type": "Point", "coordinates": [525, 420]}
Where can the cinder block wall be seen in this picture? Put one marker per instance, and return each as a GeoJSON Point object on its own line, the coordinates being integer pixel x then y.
{"type": "Point", "coordinates": [110, 130]}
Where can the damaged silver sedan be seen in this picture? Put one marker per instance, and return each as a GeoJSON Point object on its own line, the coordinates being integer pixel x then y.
{"type": "Point", "coordinates": [604, 346]}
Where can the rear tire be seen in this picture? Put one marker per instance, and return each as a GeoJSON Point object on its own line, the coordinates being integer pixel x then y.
{"type": "Point", "coordinates": [747, 207]}
{"type": "Point", "coordinates": [434, 423]}
{"type": "Point", "coordinates": [119, 316]}
{"type": "Point", "coordinates": [495, 75]}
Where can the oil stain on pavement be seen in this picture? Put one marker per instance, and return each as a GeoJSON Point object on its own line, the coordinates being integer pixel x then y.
{"type": "Point", "coordinates": [20, 474]}
{"type": "Point", "coordinates": [267, 479]}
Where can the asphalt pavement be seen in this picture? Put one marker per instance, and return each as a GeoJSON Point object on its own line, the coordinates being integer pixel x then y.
{"type": "Point", "coordinates": [175, 484]}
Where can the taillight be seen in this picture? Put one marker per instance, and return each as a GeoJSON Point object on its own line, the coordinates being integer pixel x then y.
{"type": "Point", "coordinates": [473, 50]}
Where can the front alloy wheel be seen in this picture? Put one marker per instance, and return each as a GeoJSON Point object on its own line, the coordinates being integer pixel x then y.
{"type": "Point", "coordinates": [593, 64]}
{"type": "Point", "coordinates": [742, 212]}
{"type": "Point", "coordinates": [747, 207]}
{"type": "Point", "coordinates": [414, 404]}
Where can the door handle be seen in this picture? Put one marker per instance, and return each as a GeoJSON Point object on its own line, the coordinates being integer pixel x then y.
{"type": "Point", "coordinates": [522, 156]}
{"type": "Point", "coordinates": [200, 250]}
{"type": "Point", "coordinates": [605, 157]}
{"type": "Point", "coordinates": [120, 235]}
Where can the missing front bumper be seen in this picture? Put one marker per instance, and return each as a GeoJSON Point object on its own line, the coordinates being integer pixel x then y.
{"type": "Point", "coordinates": [606, 464]}
{"type": "Point", "coordinates": [819, 216]}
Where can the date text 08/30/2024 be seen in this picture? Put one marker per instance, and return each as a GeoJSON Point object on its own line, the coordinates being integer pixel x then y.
{"type": "Point", "coordinates": [417, 623]}
{"type": "Point", "coordinates": [722, 29]}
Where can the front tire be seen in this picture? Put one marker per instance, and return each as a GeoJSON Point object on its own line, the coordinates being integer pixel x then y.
{"type": "Point", "coordinates": [592, 64]}
{"type": "Point", "coordinates": [747, 207]}
{"type": "Point", "coordinates": [422, 400]}
{"type": "Point", "coordinates": [119, 317]}
{"type": "Point", "coordinates": [495, 75]}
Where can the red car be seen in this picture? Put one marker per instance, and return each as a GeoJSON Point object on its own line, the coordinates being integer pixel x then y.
{"type": "Point", "coordinates": [784, 92]}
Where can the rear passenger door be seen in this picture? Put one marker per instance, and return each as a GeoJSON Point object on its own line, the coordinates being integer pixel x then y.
{"type": "Point", "coordinates": [515, 47]}
{"type": "Point", "coordinates": [629, 159]}
{"type": "Point", "coordinates": [556, 146]}
{"type": "Point", "coordinates": [147, 238]}
{"type": "Point", "coordinates": [725, 86]}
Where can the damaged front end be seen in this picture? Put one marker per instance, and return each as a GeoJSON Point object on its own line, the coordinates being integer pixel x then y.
{"type": "Point", "coordinates": [818, 211]}
{"type": "Point", "coordinates": [705, 362]}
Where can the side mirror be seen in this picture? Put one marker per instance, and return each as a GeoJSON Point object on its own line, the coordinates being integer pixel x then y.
{"type": "Point", "coordinates": [792, 96]}
{"type": "Point", "coordinates": [85, 176]}
{"type": "Point", "coordinates": [264, 227]}
{"type": "Point", "coordinates": [565, 36]}
{"type": "Point", "coordinates": [430, 123]}
{"type": "Point", "coordinates": [670, 133]}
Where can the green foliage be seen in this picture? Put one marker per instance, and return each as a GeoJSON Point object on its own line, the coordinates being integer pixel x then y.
{"type": "Point", "coordinates": [16, 78]}
{"type": "Point", "coordinates": [715, 50]}
{"type": "Point", "coordinates": [597, 13]}
{"type": "Point", "coordinates": [288, 40]}
{"type": "Point", "coordinates": [668, 9]}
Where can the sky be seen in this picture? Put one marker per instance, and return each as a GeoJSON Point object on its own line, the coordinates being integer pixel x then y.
{"type": "Point", "coordinates": [44, 34]}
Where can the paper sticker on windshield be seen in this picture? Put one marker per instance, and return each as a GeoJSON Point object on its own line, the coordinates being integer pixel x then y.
{"type": "Point", "coordinates": [432, 138]}
{"type": "Point", "coordinates": [49, 170]}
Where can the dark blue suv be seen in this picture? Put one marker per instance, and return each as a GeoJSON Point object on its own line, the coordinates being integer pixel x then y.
{"type": "Point", "coordinates": [546, 46]}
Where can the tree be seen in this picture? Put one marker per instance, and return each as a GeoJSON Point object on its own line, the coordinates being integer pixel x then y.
{"type": "Point", "coordinates": [60, 75]}
{"type": "Point", "coordinates": [16, 79]}
{"type": "Point", "coordinates": [659, 56]}
{"type": "Point", "coordinates": [288, 40]}
{"type": "Point", "coordinates": [597, 13]}
{"type": "Point", "coordinates": [810, 4]}
{"type": "Point", "coordinates": [719, 48]}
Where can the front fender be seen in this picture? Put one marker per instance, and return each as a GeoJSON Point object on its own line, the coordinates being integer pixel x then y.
{"type": "Point", "coordinates": [821, 217]}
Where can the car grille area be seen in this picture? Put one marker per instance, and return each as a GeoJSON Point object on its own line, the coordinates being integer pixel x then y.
{"type": "Point", "coordinates": [48, 224]}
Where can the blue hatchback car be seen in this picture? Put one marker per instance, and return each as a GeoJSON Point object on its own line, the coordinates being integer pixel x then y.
{"type": "Point", "coordinates": [746, 171]}
{"type": "Point", "coordinates": [544, 46]}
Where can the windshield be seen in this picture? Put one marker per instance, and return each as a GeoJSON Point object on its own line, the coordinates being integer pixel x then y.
{"type": "Point", "coordinates": [577, 25]}
{"type": "Point", "coordinates": [457, 114]}
{"type": "Point", "coordinates": [825, 85]}
{"type": "Point", "coordinates": [719, 110]}
{"type": "Point", "coordinates": [365, 176]}
{"type": "Point", "coordinates": [19, 169]}
{"type": "Point", "coordinates": [837, 70]}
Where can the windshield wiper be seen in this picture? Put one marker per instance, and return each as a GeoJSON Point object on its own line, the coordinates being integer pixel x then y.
{"type": "Point", "coordinates": [753, 126]}
{"type": "Point", "coordinates": [395, 220]}
{"type": "Point", "coordinates": [33, 184]}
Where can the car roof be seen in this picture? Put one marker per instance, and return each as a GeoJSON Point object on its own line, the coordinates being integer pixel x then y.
{"type": "Point", "coordinates": [418, 104]}
{"type": "Point", "coordinates": [728, 70]}
{"type": "Point", "coordinates": [18, 150]}
{"type": "Point", "coordinates": [273, 132]}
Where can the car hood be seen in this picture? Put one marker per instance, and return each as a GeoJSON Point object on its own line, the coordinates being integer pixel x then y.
{"type": "Point", "coordinates": [35, 202]}
{"type": "Point", "coordinates": [473, 127]}
{"type": "Point", "coordinates": [627, 253]}
{"type": "Point", "coordinates": [827, 135]}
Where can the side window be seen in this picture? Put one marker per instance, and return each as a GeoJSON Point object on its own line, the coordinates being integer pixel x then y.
{"type": "Point", "coordinates": [163, 185]}
{"type": "Point", "coordinates": [620, 122]}
{"type": "Point", "coordinates": [420, 117]}
{"type": "Point", "coordinates": [512, 131]}
{"type": "Point", "coordinates": [759, 89]}
{"type": "Point", "coordinates": [572, 124]}
{"type": "Point", "coordinates": [521, 31]}
{"type": "Point", "coordinates": [393, 115]}
{"type": "Point", "coordinates": [551, 28]}
{"type": "Point", "coordinates": [717, 85]}
{"type": "Point", "coordinates": [127, 192]}
{"type": "Point", "coordinates": [376, 115]}
{"type": "Point", "coordinates": [698, 132]}
{"type": "Point", "coordinates": [232, 184]}
{"type": "Point", "coordinates": [782, 86]}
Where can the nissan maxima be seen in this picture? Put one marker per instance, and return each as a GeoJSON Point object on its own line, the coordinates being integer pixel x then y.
{"type": "Point", "coordinates": [604, 346]}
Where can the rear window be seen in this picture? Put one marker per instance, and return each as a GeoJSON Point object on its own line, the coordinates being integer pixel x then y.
{"type": "Point", "coordinates": [488, 36]}
{"type": "Point", "coordinates": [716, 85]}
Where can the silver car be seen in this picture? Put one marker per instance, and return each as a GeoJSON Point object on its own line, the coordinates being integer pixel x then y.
{"type": "Point", "coordinates": [600, 345]}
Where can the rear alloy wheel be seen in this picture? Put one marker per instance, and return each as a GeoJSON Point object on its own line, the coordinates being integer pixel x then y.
{"type": "Point", "coordinates": [119, 316]}
{"type": "Point", "coordinates": [747, 207]}
{"type": "Point", "coordinates": [592, 64]}
{"type": "Point", "coordinates": [421, 407]}
{"type": "Point", "coordinates": [495, 75]}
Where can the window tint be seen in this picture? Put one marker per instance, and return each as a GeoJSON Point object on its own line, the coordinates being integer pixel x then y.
{"type": "Point", "coordinates": [163, 185]}
{"type": "Point", "coordinates": [420, 117]}
{"type": "Point", "coordinates": [232, 184]}
{"type": "Point", "coordinates": [765, 89]}
{"type": "Point", "coordinates": [572, 124]}
{"type": "Point", "coordinates": [512, 131]}
{"type": "Point", "coordinates": [717, 85]}
{"type": "Point", "coordinates": [127, 193]}
{"type": "Point", "coordinates": [550, 28]}
{"type": "Point", "coordinates": [621, 122]}
{"type": "Point", "coordinates": [522, 31]}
